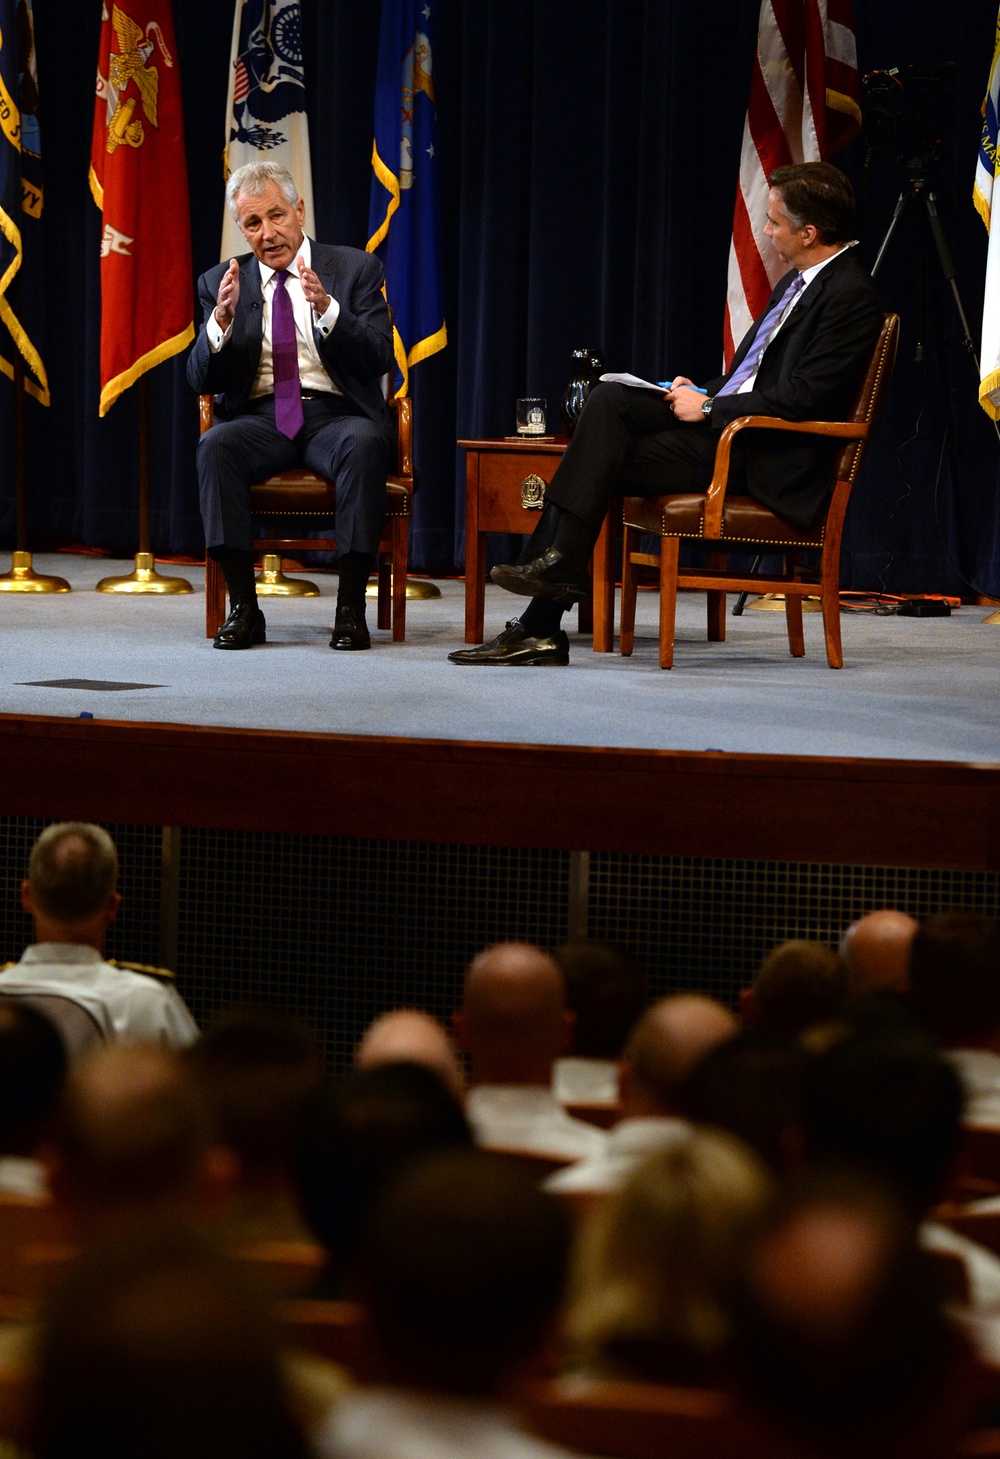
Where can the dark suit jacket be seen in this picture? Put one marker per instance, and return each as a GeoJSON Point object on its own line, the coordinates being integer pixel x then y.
{"type": "Point", "coordinates": [355, 354]}
{"type": "Point", "coordinates": [810, 371]}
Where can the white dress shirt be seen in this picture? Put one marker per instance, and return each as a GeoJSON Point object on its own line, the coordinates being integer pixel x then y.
{"type": "Point", "coordinates": [629, 1144]}
{"type": "Point", "coordinates": [387, 1423]}
{"type": "Point", "coordinates": [529, 1117]}
{"type": "Point", "coordinates": [130, 1007]}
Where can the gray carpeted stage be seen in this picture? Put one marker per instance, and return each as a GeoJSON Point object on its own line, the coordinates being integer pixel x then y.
{"type": "Point", "coordinates": [911, 689]}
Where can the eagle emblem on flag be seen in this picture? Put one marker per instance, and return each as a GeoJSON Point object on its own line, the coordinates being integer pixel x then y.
{"type": "Point", "coordinates": [131, 63]}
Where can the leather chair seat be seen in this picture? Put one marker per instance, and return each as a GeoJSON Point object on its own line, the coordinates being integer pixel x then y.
{"type": "Point", "coordinates": [300, 493]}
{"type": "Point", "coordinates": [743, 520]}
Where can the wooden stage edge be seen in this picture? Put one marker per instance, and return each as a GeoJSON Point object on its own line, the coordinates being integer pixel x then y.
{"type": "Point", "coordinates": [675, 803]}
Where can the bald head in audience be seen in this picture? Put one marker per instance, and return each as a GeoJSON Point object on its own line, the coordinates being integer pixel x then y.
{"type": "Point", "coordinates": [132, 1139]}
{"type": "Point", "coordinates": [408, 1036]}
{"type": "Point", "coordinates": [875, 952]}
{"type": "Point", "coordinates": [513, 1022]}
{"type": "Point", "coordinates": [666, 1046]}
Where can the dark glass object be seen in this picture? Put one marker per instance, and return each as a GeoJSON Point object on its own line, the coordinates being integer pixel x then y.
{"type": "Point", "coordinates": [587, 366]}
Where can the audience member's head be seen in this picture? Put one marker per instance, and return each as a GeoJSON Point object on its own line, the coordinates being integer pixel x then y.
{"type": "Point", "coordinates": [513, 1022]}
{"type": "Point", "coordinates": [257, 1069]}
{"type": "Point", "coordinates": [798, 984]}
{"type": "Point", "coordinates": [32, 1073]}
{"type": "Point", "coordinates": [955, 978]}
{"type": "Point", "coordinates": [131, 1139]}
{"type": "Point", "coordinates": [156, 1346]}
{"type": "Point", "coordinates": [665, 1047]}
{"type": "Point", "coordinates": [655, 1266]}
{"type": "Point", "coordinates": [71, 887]}
{"type": "Point", "coordinates": [875, 952]}
{"type": "Point", "coordinates": [463, 1271]}
{"type": "Point", "coordinates": [360, 1132]}
{"type": "Point", "coordinates": [840, 1336]}
{"type": "Point", "coordinates": [753, 1086]}
{"type": "Point", "coordinates": [606, 992]}
{"type": "Point", "coordinates": [408, 1036]}
{"type": "Point", "coordinates": [886, 1103]}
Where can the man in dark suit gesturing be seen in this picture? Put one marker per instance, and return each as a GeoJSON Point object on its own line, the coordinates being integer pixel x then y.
{"type": "Point", "coordinates": [802, 359]}
{"type": "Point", "coordinates": [295, 340]}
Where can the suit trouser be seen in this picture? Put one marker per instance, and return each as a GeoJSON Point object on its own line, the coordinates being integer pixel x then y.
{"type": "Point", "coordinates": [350, 449]}
{"type": "Point", "coordinates": [628, 441]}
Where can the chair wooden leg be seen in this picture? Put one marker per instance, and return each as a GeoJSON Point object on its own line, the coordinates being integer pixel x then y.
{"type": "Point", "coordinates": [793, 622]}
{"type": "Point", "coordinates": [630, 583]}
{"type": "Point", "coordinates": [215, 597]}
{"type": "Point", "coordinates": [669, 556]}
{"type": "Point", "coordinates": [400, 566]}
{"type": "Point", "coordinates": [716, 602]}
{"type": "Point", "coordinates": [830, 591]}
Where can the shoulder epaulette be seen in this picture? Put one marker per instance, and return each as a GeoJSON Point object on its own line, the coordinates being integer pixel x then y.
{"type": "Point", "coordinates": [162, 975]}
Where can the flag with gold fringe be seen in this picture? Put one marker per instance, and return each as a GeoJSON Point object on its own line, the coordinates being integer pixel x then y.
{"type": "Point", "coordinates": [403, 213]}
{"type": "Point", "coordinates": [987, 167]}
{"type": "Point", "coordinates": [21, 199]}
{"type": "Point", "coordinates": [138, 163]}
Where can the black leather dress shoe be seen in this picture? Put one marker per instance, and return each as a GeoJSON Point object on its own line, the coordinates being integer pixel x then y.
{"type": "Point", "coordinates": [243, 628]}
{"type": "Point", "coordinates": [514, 646]}
{"type": "Point", "coordinates": [350, 629]}
{"type": "Point", "coordinates": [548, 576]}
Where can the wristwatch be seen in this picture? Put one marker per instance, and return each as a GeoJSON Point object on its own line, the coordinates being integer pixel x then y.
{"type": "Point", "coordinates": [706, 406]}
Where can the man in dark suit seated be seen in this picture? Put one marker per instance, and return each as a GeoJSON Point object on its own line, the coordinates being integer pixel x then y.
{"type": "Point", "coordinates": [295, 340]}
{"type": "Point", "coordinates": [802, 359]}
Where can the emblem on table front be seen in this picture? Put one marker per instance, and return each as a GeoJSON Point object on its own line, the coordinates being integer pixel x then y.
{"type": "Point", "coordinates": [532, 493]}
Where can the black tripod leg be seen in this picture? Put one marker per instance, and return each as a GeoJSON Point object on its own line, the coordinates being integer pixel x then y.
{"type": "Point", "coordinates": [741, 601]}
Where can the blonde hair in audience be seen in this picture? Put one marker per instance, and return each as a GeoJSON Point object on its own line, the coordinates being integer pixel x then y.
{"type": "Point", "coordinates": [655, 1265]}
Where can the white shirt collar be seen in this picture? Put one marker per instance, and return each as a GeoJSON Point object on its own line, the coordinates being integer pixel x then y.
{"type": "Point", "coordinates": [808, 274]}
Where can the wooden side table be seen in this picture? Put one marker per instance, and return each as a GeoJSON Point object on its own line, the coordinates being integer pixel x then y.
{"type": "Point", "coordinates": [500, 477]}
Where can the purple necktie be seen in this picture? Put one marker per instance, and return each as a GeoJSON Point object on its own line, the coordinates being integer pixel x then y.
{"type": "Point", "coordinates": [285, 361]}
{"type": "Point", "coordinates": [768, 328]}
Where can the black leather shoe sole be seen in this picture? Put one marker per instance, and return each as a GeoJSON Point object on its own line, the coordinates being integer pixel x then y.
{"type": "Point", "coordinates": [520, 580]}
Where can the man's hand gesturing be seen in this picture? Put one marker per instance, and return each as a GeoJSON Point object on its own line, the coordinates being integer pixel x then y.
{"type": "Point", "coordinates": [229, 294]}
{"type": "Point", "coordinates": [313, 290]}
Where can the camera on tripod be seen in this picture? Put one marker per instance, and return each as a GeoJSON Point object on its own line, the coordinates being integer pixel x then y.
{"type": "Point", "coordinates": [905, 107]}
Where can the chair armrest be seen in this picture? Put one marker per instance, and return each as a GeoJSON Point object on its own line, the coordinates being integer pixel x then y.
{"type": "Point", "coordinates": [401, 407]}
{"type": "Point", "coordinates": [716, 494]}
{"type": "Point", "coordinates": [206, 413]}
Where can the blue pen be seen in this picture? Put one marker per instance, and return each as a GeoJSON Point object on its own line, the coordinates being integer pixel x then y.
{"type": "Point", "coordinates": [669, 385]}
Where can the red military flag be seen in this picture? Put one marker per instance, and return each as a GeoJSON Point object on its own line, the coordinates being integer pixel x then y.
{"type": "Point", "coordinates": [138, 164]}
{"type": "Point", "coordinates": [803, 107]}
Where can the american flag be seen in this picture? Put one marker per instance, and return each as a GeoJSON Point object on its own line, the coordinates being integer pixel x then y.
{"type": "Point", "coordinates": [803, 106]}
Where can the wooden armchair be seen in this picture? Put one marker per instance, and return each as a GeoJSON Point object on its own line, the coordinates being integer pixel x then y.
{"type": "Point", "coordinates": [310, 501]}
{"type": "Point", "coordinates": [739, 524]}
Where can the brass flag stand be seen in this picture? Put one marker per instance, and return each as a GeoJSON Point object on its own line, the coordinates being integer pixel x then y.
{"type": "Point", "coordinates": [145, 578]}
{"type": "Point", "coordinates": [22, 577]}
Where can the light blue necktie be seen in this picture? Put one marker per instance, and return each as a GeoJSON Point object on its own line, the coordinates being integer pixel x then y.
{"type": "Point", "coordinates": [766, 332]}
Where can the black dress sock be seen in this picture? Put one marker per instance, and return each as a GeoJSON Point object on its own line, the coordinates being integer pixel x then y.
{"type": "Point", "coordinates": [542, 617]}
{"type": "Point", "coordinates": [355, 569]}
{"type": "Point", "coordinates": [541, 538]}
{"type": "Point", "coordinates": [574, 539]}
{"type": "Point", "coordinates": [237, 569]}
